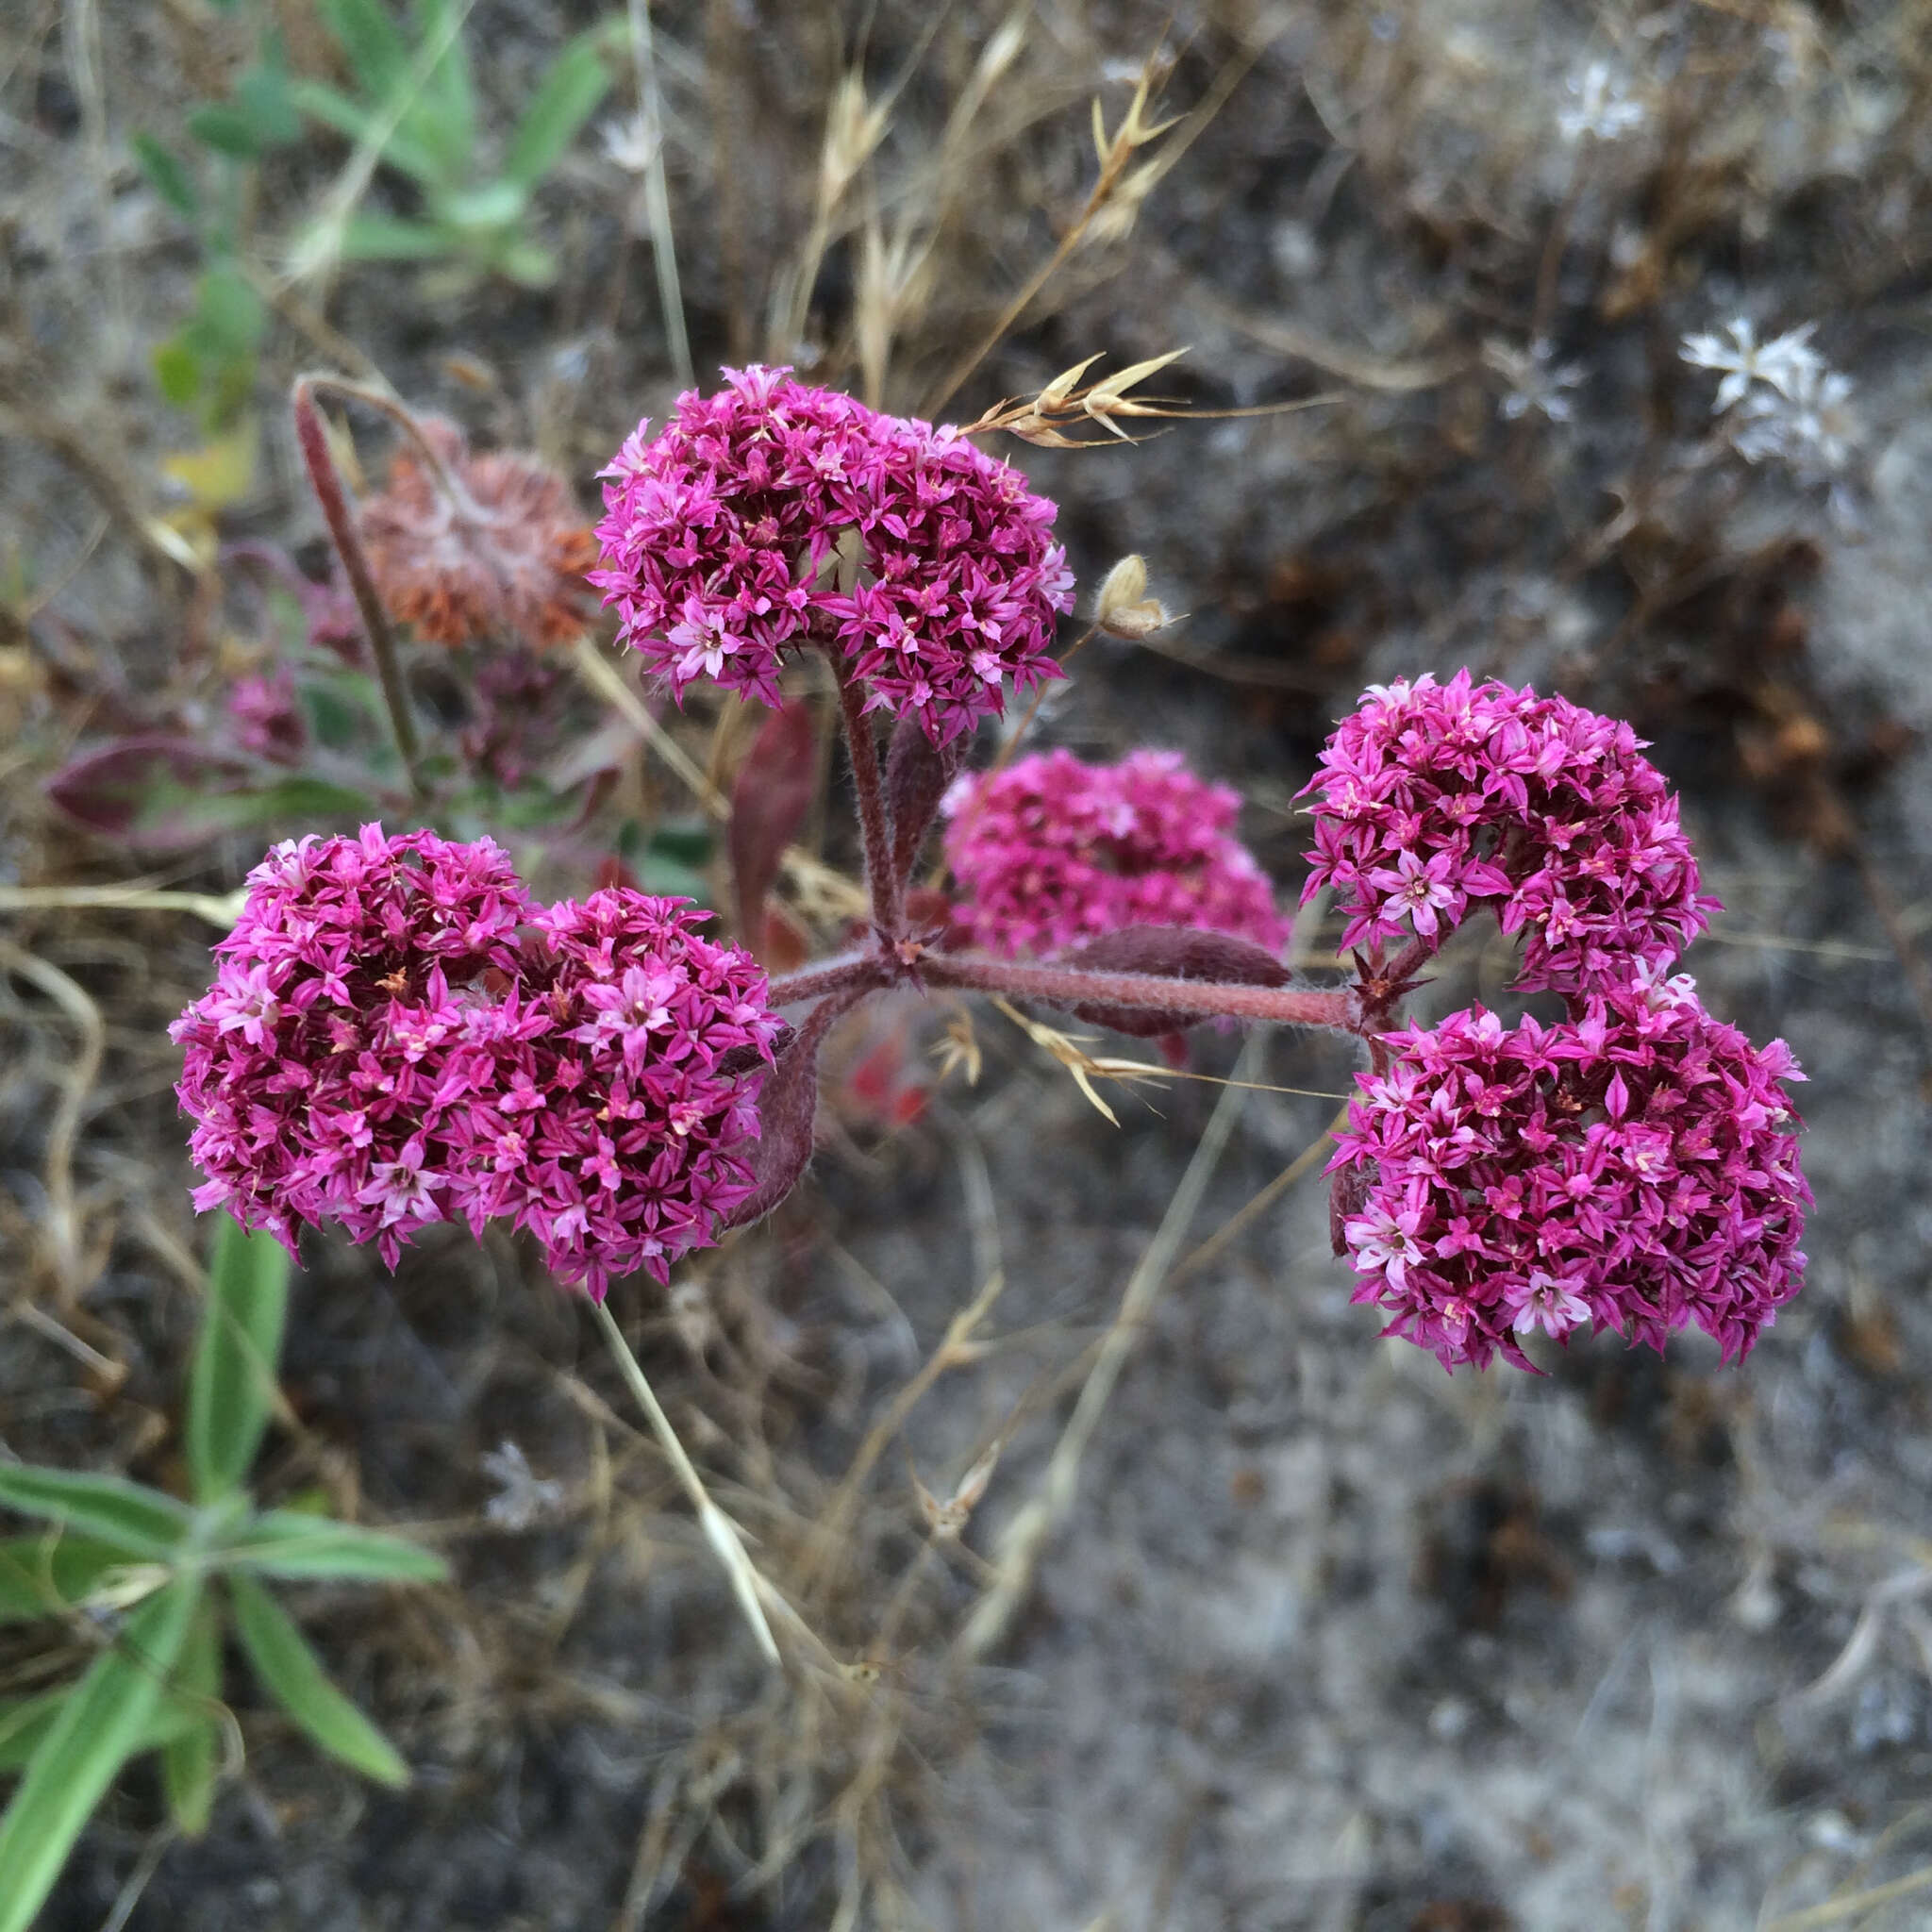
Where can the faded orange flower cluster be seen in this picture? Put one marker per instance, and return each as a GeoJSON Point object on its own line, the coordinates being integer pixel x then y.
{"type": "Point", "coordinates": [502, 555]}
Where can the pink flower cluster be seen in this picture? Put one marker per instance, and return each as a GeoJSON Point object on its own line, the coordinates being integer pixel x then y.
{"type": "Point", "coordinates": [1053, 851]}
{"type": "Point", "coordinates": [721, 539]}
{"type": "Point", "coordinates": [1430, 797]}
{"type": "Point", "coordinates": [382, 1047]}
{"type": "Point", "coordinates": [1634, 1167]}
{"type": "Point", "coordinates": [620, 1102]}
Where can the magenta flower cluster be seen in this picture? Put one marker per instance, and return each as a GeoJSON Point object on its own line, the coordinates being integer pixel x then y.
{"type": "Point", "coordinates": [1432, 797]}
{"type": "Point", "coordinates": [1053, 851]}
{"type": "Point", "coordinates": [387, 1046]}
{"type": "Point", "coordinates": [1634, 1167]}
{"type": "Point", "coordinates": [773, 514]}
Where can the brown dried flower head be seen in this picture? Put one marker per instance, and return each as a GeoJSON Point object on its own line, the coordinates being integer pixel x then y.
{"type": "Point", "coordinates": [476, 547]}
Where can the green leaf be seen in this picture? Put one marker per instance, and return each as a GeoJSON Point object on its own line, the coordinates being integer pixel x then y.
{"type": "Point", "coordinates": [373, 44]}
{"type": "Point", "coordinates": [566, 98]}
{"type": "Point", "coordinates": [139, 1522]}
{"type": "Point", "coordinates": [263, 94]}
{"type": "Point", "coordinates": [101, 1723]}
{"type": "Point", "coordinates": [528, 264]}
{"type": "Point", "coordinates": [25, 1721]}
{"type": "Point", "coordinates": [443, 117]}
{"type": "Point", "coordinates": [691, 841]}
{"type": "Point", "coordinates": [177, 368]}
{"type": "Point", "coordinates": [482, 211]}
{"type": "Point", "coordinates": [231, 1388]}
{"type": "Point", "coordinates": [383, 238]}
{"type": "Point", "coordinates": [293, 1676]}
{"type": "Point", "coordinates": [337, 111]}
{"type": "Point", "coordinates": [227, 129]}
{"type": "Point", "coordinates": [45, 1574]}
{"type": "Point", "coordinates": [231, 317]}
{"type": "Point", "coordinates": [190, 1759]}
{"type": "Point", "coordinates": [166, 176]}
{"type": "Point", "coordinates": [669, 880]}
{"type": "Point", "coordinates": [290, 1543]}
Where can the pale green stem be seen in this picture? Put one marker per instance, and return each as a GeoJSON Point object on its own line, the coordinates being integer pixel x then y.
{"type": "Point", "coordinates": [719, 1533]}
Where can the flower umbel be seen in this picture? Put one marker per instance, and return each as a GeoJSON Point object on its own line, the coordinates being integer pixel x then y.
{"type": "Point", "coordinates": [1053, 851]}
{"type": "Point", "coordinates": [321, 1066]}
{"type": "Point", "coordinates": [1431, 797]}
{"type": "Point", "coordinates": [620, 1103]}
{"type": "Point", "coordinates": [501, 558]}
{"type": "Point", "coordinates": [774, 514]}
{"type": "Point", "coordinates": [1635, 1168]}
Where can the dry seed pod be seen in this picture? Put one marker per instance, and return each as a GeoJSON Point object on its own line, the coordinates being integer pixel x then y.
{"type": "Point", "coordinates": [1124, 609]}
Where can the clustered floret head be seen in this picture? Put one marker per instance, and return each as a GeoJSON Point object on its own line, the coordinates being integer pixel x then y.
{"type": "Point", "coordinates": [383, 1046]}
{"type": "Point", "coordinates": [722, 539]}
{"type": "Point", "coordinates": [621, 1104]}
{"type": "Point", "coordinates": [1432, 797]}
{"type": "Point", "coordinates": [506, 565]}
{"type": "Point", "coordinates": [318, 1066]}
{"type": "Point", "coordinates": [1635, 1168]}
{"type": "Point", "coordinates": [1053, 851]}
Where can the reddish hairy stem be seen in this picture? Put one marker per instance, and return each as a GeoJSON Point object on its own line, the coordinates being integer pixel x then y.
{"type": "Point", "coordinates": [882, 880]}
{"type": "Point", "coordinates": [1069, 985]}
{"type": "Point", "coordinates": [342, 529]}
{"type": "Point", "coordinates": [849, 972]}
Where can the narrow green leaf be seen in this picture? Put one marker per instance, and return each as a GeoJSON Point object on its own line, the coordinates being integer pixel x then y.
{"type": "Point", "coordinates": [566, 98]}
{"type": "Point", "coordinates": [177, 368]}
{"type": "Point", "coordinates": [528, 264]}
{"type": "Point", "coordinates": [441, 118]}
{"type": "Point", "coordinates": [233, 317]}
{"type": "Point", "coordinates": [99, 1724]}
{"type": "Point", "coordinates": [166, 176]}
{"type": "Point", "coordinates": [226, 129]}
{"type": "Point", "coordinates": [189, 1760]}
{"type": "Point", "coordinates": [373, 44]}
{"type": "Point", "coordinates": [290, 1543]}
{"type": "Point", "coordinates": [24, 1722]}
{"type": "Point", "coordinates": [347, 118]}
{"type": "Point", "coordinates": [48, 1574]}
{"type": "Point", "coordinates": [293, 1675]}
{"type": "Point", "coordinates": [263, 94]}
{"type": "Point", "coordinates": [231, 1388]}
{"type": "Point", "coordinates": [139, 1522]}
{"type": "Point", "coordinates": [482, 211]}
{"type": "Point", "coordinates": [382, 238]}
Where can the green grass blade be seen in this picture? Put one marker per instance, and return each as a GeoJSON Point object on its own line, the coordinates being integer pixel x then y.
{"type": "Point", "coordinates": [289, 1543]}
{"type": "Point", "coordinates": [566, 98]}
{"type": "Point", "coordinates": [293, 1675]}
{"type": "Point", "coordinates": [231, 1388]}
{"type": "Point", "coordinates": [102, 1721]}
{"type": "Point", "coordinates": [190, 1759]}
{"type": "Point", "coordinates": [139, 1522]}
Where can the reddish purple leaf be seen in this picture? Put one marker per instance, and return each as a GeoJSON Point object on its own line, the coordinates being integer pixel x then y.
{"type": "Point", "coordinates": [150, 790]}
{"type": "Point", "coordinates": [788, 1108]}
{"type": "Point", "coordinates": [917, 775]}
{"type": "Point", "coordinates": [774, 793]}
{"type": "Point", "coordinates": [1175, 953]}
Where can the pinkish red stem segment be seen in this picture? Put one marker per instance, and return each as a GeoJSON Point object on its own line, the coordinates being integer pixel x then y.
{"type": "Point", "coordinates": [1068, 986]}
{"type": "Point", "coordinates": [848, 973]}
{"type": "Point", "coordinates": [881, 876]}
{"type": "Point", "coordinates": [313, 440]}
